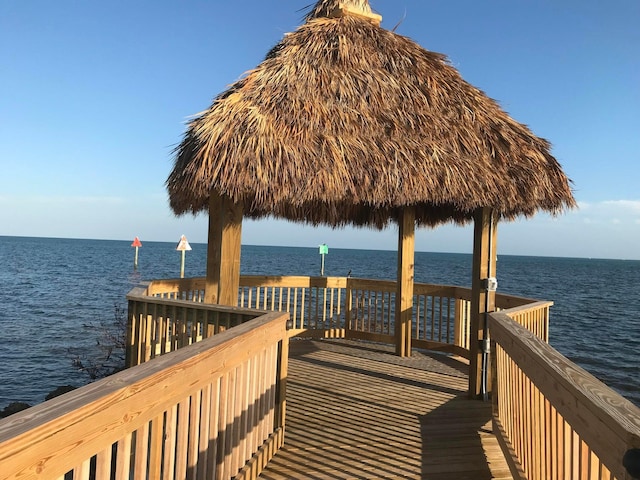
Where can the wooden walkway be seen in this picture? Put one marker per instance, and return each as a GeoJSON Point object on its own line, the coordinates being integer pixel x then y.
{"type": "Point", "coordinates": [354, 410]}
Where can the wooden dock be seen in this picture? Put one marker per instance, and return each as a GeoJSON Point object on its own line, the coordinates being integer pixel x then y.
{"type": "Point", "coordinates": [354, 410]}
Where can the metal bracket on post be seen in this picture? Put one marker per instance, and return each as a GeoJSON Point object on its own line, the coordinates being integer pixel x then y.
{"type": "Point", "coordinates": [490, 284]}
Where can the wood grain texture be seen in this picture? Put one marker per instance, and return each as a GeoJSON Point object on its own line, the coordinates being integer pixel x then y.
{"type": "Point", "coordinates": [152, 401]}
{"type": "Point", "coordinates": [214, 252]}
{"type": "Point", "coordinates": [355, 410]}
{"type": "Point", "coordinates": [230, 248]}
{"type": "Point", "coordinates": [588, 418]}
{"type": "Point", "coordinates": [404, 292]}
{"type": "Point", "coordinates": [484, 266]}
{"type": "Point", "coordinates": [327, 307]}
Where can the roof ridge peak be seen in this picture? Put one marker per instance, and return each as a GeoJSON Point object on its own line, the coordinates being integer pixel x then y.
{"type": "Point", "coordinates": [341, 8]}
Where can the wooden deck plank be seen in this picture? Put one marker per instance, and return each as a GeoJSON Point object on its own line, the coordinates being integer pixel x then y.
{"type": "Point", "coordinates": [356, 411]}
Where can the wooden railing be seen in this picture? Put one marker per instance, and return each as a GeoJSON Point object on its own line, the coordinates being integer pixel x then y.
{"type": "Point", "coordinates": [341, 307]}
{"type": "Point", "coordinates": [532, 316]}
{"type": "Point", "coordinates": [163, 318]}
{"type": "Point", "coordinates": [211, 409]}
{"type": "Point", "coordinates": [212, 404]}
{"type": "Point", "coordinates": [191, 289]}
{"type": "Point", "coordinates": [440, 320]}
{"type": "Point", "coordinates": [316, 304]}
{"type": "Point", "coordinates": [555, 420]}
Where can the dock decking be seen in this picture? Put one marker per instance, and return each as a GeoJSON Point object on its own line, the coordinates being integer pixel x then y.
{"type": "Point", "coordinates": [354, 410]}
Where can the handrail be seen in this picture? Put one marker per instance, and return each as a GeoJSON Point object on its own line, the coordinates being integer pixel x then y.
{"type": "Point", "coordinates": [532, 316]}
{"type": "Point", "coordinates": [203, 410]}
{"type": "Point", "coordinates": [160, 321]}
{"type": "Point", "coordinates": [356, 308]}
{"type": "Point", "coordinates": [556, 419]}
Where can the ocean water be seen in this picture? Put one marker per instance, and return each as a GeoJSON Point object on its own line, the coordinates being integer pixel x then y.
{"type": "Point", "coordinates": [53, 290]}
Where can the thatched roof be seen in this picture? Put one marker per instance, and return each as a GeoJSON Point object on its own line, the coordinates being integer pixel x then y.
{"type": "Point", "coordinates": [345, 122]}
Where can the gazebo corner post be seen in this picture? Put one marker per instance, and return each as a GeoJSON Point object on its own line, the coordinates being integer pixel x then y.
{"type": "Point", "coordinates": [231, 249]}
{"type": "Point", "coordinates": [405, 278]}
{"type": "Point", "coordinates": [214, 240]}
{"type": "Point", "coordinates": [483, 289]}
{"type": "Point", "coordinates": [223, 250]}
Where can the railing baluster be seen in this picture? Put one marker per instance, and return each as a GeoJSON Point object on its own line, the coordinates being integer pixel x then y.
{"type": "Point", "coordinates": [156, 435]}
{"type": "Point", "coordinates": [302, 306]}
{"type": "Point", "coordinates": [195, 417]}
{"type": "Point", "coordinates": [214, 431]}
{"type": "Point", "coordinates": [332, 316]}
{"type": "Point", "coordinates": [170, 441]}
{"type": "Point", "coordinates": [273, 298]}
{"type": "Point", "coordinates": [182, 438]}
{"type": "Point", "coordinates": [103, 464]}
{"type": "Point", "coordinates": [296, 323]}
{"type": "Point", "coordinates": [432, 301]}
{"type": "Point", "coordinates": [230, 415]}
{"type": "Point", "coordinates": [203, 433]}
{"type": "Point", "coordinates": [348, 313]}
{"type": "Point", "coordinates": [262, 405]}
{"type": "Point", "coordinates": [141, 451]}
{"type": "Point", "coordinates": [391, 297]}
{"type": "Point", "coordinates": [123, 456]}
{"type": "Point", "coordinates": [317, 320]}
{"type": "Point", "coordinates": [240, 416]}
{"type": "Point", "coordinates": [82, 471]}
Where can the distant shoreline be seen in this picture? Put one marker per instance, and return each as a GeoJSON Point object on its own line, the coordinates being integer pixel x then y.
{"type": "Point", "coordinates": [500, 254]}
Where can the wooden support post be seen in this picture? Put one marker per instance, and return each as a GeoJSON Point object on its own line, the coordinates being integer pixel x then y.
{"type": "Point", "coordinates": [230, 257]}
{"type": "Point", "coordinates": [223, 251]}
{"type": "Point", "coordinates": [484, 266]}
{"type": "Point", "coordinates": [404, 292]}
{"type": "Point", "coordinates": [214, 241]}
{"type": "Point", "coordinates": [347, 312]}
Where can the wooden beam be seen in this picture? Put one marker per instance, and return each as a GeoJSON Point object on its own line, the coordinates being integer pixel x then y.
{"type": "Point", "coordinates": [214, 241]}
{"type": "Point", "coordinates": [230, 257]}
{"type": "Point", "coordinates": [346, 10]}
{"type": "Point", "coordinates": [484, 266]}
{"type": "Point", "coordinates": [223, 251]}
{"type": "Point", "coordinates": [404, 292]}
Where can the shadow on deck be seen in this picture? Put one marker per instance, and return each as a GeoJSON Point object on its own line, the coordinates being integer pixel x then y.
{"type": "Point", "coordinates": [354, 410]}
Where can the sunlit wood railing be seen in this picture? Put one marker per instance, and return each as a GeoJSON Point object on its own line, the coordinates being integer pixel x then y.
{"type": "Point", "coordinates": [211, 409]}
{"type": "Point", "coordinates": [191, 289]}
{"type": "Point", "coordinates": [533, 316]}
{"type": "Point", "coordinates": [539, 396]}
{"type": "Point", "coordinates": [555, 420]}
{"type": "Point", "coordinates": [355, 308]}
{"type": "Point", "coordinates": [440, 320]}
{"type": "Point", "coordinates": [163, 317]}
{"type": "Point", "coordinates": [206, 400]}
{"type": "Point", "coordinates": [316, 304]}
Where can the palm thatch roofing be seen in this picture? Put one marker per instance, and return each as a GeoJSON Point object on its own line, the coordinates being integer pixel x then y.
{"type": "Point", "coordinates": [345, 122]}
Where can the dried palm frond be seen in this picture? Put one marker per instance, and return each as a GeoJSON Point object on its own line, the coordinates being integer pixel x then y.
{"type": "Point", "coordinates": [346, 123]}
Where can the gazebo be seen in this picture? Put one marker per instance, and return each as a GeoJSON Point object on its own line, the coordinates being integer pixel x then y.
{"type": "Point", "coordinates": [346, 123]}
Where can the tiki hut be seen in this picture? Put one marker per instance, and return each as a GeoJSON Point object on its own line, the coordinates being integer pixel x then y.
{"type": "Point", "coordinates": [346, 123]}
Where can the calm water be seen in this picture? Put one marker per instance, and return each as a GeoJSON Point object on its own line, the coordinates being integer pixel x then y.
{"type": "Point", "coordinates": [51, 288]}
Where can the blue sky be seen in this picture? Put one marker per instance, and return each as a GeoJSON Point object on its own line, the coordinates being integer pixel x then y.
{"type": "Point", "coordinates": [95, 96]}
